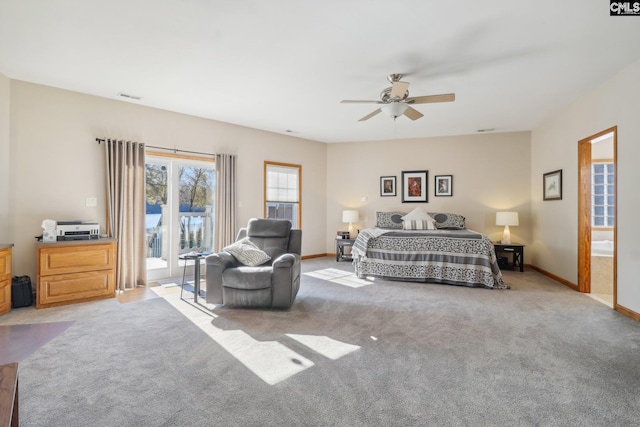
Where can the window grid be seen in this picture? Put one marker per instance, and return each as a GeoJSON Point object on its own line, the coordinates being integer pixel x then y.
{"type": "Point", "coordinates": [282, 192]}
{"type": "Point", "coordinates": [602, 194]}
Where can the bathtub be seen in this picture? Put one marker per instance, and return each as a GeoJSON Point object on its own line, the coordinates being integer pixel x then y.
{"type": "Point", "coordinates": [602, 267]}
{"type": "Point", "coordinates": [602, 248]}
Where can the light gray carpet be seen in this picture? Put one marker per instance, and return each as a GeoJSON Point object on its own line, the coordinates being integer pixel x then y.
{"type": "Point", "coordinates": [538, 354]}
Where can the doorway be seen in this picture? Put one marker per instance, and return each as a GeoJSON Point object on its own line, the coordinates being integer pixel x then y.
{"type": "Point", "coordinates": [179, 213]}
{"type": "Point", "coordinates": [597, 212]}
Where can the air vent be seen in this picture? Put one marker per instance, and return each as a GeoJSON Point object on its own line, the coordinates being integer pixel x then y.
{"type": "Point", "coordinates": [126, 95]}
{"type": "Point", "coordinates": [486, 130]}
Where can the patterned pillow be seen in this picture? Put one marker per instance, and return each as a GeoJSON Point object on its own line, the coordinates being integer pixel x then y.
{"type": "Point", "coordinates": [449, 221]}
{"type": "Point", "coordinates": [247, 253]}
{"type": "Point", "coordinates": [389, 219]}
{"type": "Point", "coordinates": [416, 224]}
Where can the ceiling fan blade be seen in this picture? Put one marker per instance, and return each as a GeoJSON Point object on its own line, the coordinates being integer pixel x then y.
{"type": "Point", "coordinates": [412, 113]}
{"type": "Point", "coordinates": [356, 101]}
{"type": "Point", "coordinates": [368, 116]}
{"type": "Point", "coordinates": [445, 97]}
{"type": "Point", "coordinates": [399, 89]}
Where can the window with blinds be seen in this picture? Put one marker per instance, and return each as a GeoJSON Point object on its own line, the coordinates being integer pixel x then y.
{"type": "Point", "coordinates": [602, 194]}
{"type": "Point", "coordinates": [282, 192]}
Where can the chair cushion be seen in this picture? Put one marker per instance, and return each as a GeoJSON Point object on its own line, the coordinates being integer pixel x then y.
{"type": "Point", "coordinates": [268, 228]}
{"type": "Point", "coordinates": [247, 253]}
{"type": "Point", "coordinates": [247, 277]}
{"type": "Point", "coordinates": [270, 235]}
{"type": "Point", "coordinates": [247, 298]}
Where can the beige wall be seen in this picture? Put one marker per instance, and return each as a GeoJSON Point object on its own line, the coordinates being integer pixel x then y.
{"type": "Point", "coordinates": [555, 146]}
{"type": "Point", "coordinates": [5, 96]}
{"type": "Point", "coordinates": [491, 172]}
{"type": "Point", "coordinates": [56, 162]}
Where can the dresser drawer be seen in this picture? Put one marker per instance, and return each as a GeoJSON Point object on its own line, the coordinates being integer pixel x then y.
{"type": "Point", "coordinates": [5, 280]}
{"type": "Point", "coordinates": [5, 296]}
{"type": "Point", "coordinates": [75, 259]}
{"type": "Point", "coordinates": [74, 287]}
{"type": "Point", "coordinates": [5, 264]}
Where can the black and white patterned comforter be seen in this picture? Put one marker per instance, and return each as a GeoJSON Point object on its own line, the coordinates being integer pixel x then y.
{"type": "Point", "coordinates": [456, 257]}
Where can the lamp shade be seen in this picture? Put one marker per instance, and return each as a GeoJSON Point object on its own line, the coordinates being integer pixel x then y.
{"type": "Point", "coordinates": [506, 218]}
{"type": "Point", "coordinates": [350, 216]}
{"type": "Point", "coordinates": [394, 109]}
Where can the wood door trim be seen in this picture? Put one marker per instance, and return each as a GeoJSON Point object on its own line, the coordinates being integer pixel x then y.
{"type": "Point", "coordinates": [584, 215]}
{"type": "Point", "coordinates": [584, 212]}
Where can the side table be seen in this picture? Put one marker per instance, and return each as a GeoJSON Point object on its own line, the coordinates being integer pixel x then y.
{"type": "Point", "coordinates": [196, 257]}
{"type": "Point", "coordinates": [517, 252]}
{"type": "Point", "coordinates": [341, 244]}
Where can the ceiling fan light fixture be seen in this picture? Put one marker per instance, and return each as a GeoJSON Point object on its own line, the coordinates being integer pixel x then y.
{"type": "Point", "coordinates": [394, 109]}
{"type": "Point", "coordinates": [395, 100]}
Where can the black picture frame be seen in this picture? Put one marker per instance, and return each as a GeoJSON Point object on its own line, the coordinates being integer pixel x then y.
{"type": "Point", "coordinates": [443, 186]}
{"type": "Point", "coordinates": [415, 188]}
{"type": "Point", "coordinates": [552, 185]}
{"type": "Point", "coordinates": [387, 186]}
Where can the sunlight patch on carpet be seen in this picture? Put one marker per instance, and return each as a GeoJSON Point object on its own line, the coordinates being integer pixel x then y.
{"type": "Point", "coordinates": [271, 361]}
{"type": "Point", "coordinates": [164, 291]}
{"type": "Point", "coordinates": [169, 285]}
{"type": "Point", "coordinates": [328, 347]}
{"type": "Point", "coordinates": [339, 277]}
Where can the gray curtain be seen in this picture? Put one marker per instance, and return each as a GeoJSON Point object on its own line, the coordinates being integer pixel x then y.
{"type": "Point", "coordinates": [226, 201]}
{"type": "Point", "coordinates": [126, 209]}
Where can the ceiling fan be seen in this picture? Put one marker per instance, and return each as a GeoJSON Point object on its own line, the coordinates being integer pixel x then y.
{"type": "Point", "coordinates": [395, 100]}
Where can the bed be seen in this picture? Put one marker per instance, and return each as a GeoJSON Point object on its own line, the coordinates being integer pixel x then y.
{"type": "Point", "coordinates": [445, 252]}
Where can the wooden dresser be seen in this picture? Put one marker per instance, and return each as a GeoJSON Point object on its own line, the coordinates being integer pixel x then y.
{"type": "Point", "coordinates": [5, 278]}
{"type": "Point", "coordinates": [75, 271]}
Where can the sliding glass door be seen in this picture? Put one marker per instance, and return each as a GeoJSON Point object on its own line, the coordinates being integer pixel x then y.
{"type": "Point", "coordinates": [179, 220]}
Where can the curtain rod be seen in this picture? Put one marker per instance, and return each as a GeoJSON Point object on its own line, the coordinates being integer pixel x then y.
{"type": "Point", "coordinates": [175, 150]}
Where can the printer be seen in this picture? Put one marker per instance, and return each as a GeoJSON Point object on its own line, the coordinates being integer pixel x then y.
{"type": "Point", "coordinates": [77, 230]}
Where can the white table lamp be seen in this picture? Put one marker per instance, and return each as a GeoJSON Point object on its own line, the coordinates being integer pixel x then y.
{"type": "Point", "coordinates": [350, 216]}
{"type": "Point", "coordinates": [506, 219]}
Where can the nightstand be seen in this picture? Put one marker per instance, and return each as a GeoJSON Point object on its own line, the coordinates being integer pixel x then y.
{"type": "Point", "coordinates": [517, 252]}
{"type": "Point", "coordinates": [341, 244]}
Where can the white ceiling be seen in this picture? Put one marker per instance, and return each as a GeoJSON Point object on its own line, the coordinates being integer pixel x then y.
{"type": "Point", "coordinates": [283, 65]}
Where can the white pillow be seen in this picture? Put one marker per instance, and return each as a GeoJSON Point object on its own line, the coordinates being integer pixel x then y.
{"type": "Point", "coordinates": [417, 214]}
{"type": "Point", "coordinates": [415, 224]}
{"type": "Point", "coordinates": [247, 253]}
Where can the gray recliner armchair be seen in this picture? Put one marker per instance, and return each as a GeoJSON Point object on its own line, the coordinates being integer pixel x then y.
{"type": "Point", "coordinates": [270, 284]}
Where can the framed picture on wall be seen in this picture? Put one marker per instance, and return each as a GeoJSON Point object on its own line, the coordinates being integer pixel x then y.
{"type": "Point", "coordinates": [414, 186]}
{"type": "Point", "coordinates": [387, 186]}
{"type": "Point", "coordinates": [552, 185]}
{"type": "Point", "coordinates": [444, 185]}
